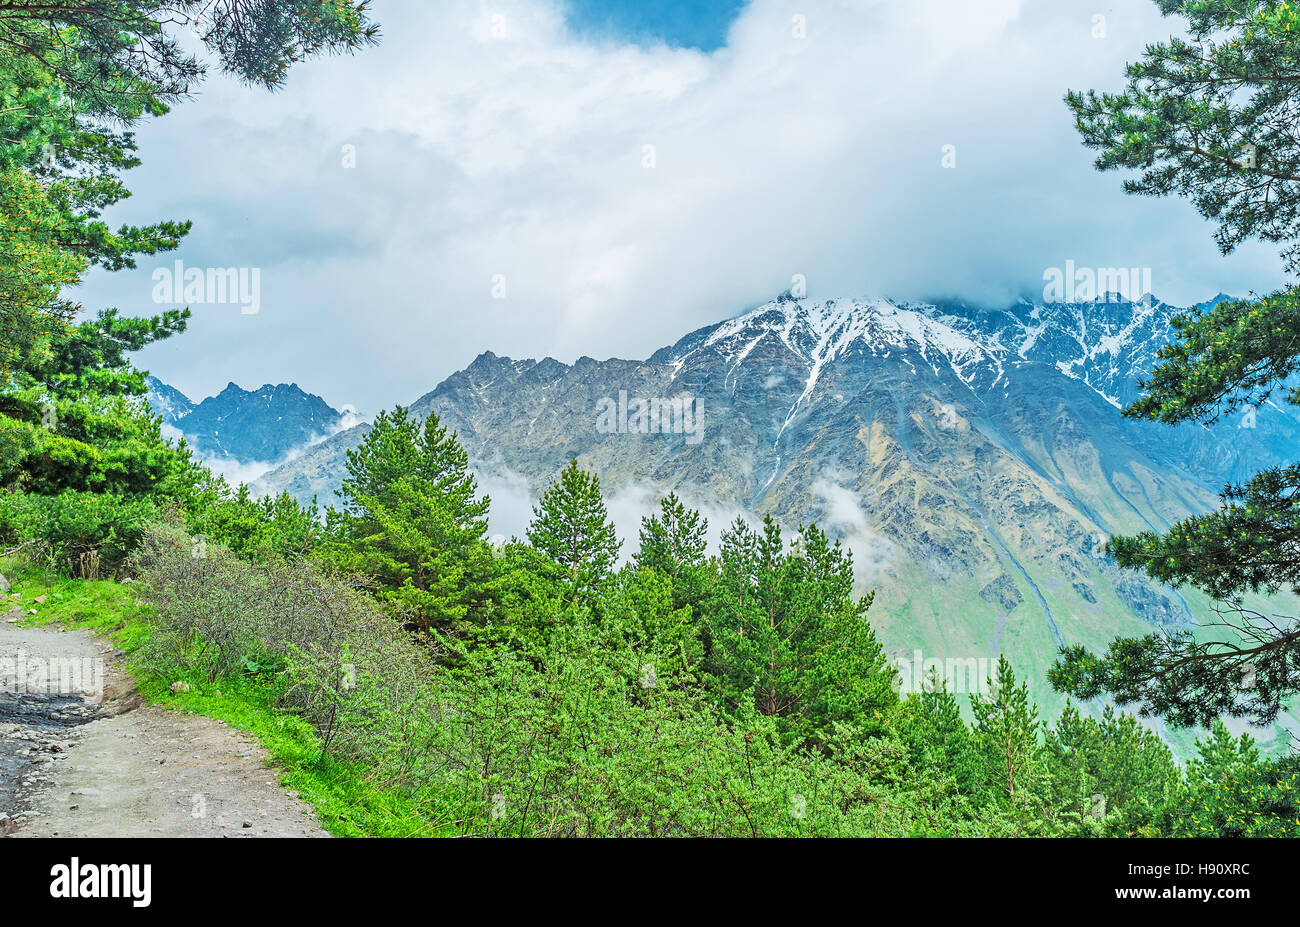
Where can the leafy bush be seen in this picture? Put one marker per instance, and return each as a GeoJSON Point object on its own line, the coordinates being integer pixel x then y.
{"type": "Point", "coordinates": [333, 652]}
{"type": "Point", "coordinates": [591, 742]}
{"type": "Point", "coordinates": [588, 737]}
{"type": "Point", "coordinates": [261, 530]}
{"type": "Point", "coordinates": [239, 611]}
{"type": "Point", "coordinates": [80, 533]}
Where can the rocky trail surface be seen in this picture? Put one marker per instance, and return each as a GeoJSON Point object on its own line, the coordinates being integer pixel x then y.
{"type": "Point", "coordinates": [91, 759]}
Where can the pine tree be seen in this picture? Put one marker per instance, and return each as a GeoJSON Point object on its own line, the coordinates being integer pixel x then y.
{"type": "Point", "coordinates": [673, 539]}
{"type": "Point", "coordinates": [1212, 117]}
{"type": "Point", "coordinates": [70, 420]}
{"type": "Point", "coordinates": [789, 638]}
{"type": "Point", "coordinates": [938, 737]}
{"type": "Point", "coordinates": [673, 543]}
{"type": "Point", "coordinates": [265, 530]}
{"type": "Point", "coordinates": [1006, 736]}
{"type": "Point", "coordinates": [643, 601]}
{"type": "Point", "coordinates": [1107, 767]}
{"type": "Point", "coordinates": [531, 603]}
{"type": "Point", "coordinates": [412, 518]}
{"type": "Point", "coordinates": [74, 78]}
{"type": "Point", "coordinates": [124, 57]}
{"type": "Point", "coordinates": [572, 528]}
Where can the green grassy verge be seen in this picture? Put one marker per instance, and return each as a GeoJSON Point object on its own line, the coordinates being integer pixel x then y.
{"type": "Point", "coordinates": [346, 799]}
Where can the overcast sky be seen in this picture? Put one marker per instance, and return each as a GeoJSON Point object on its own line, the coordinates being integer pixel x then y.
{"type": "Point", "coordinates": [622, 177]}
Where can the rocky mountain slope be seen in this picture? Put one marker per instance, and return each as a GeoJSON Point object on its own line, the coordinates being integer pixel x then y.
{"type": "Point", "coordinates": [167, 401]}
{"type": "Point", "coordinates": [974, 461]}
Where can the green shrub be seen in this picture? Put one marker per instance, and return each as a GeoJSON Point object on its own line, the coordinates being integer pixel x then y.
{"type": "Point", "coordinates": [589, 735]}
{"type": "Point", "coordinates": [81, 534]}
{"type": "Point", "coordinates": [594, 742]}
{"type": "Point", "coordinates": [331, 651]}
{"type": "Point", "coordinates": [275, 528]}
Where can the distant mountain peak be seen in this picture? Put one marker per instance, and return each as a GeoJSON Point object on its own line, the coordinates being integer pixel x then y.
{"type": "Point", "coordinates": [823, 331]}
{"type": "Point", "coordinates": [265, 425]}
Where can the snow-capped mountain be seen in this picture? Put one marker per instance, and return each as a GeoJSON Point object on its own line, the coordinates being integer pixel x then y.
{"type": "Point", "coordinates": [974, 460]}
{"type": "Point", "coordinates": [167, 402]}
{"type": "Point", "coordinates": [246, 426]}
{"type": "Point", "coordinates": [1109, 345]}
{"type": "Point", "coordinates": [1106, 344]}
{"type": "Point", "coordinates": [842, 329]}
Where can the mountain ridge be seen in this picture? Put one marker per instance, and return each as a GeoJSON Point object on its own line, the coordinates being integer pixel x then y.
{"type": "Point", "coordinates": [265, 425]}
{"type": "Point", "coordinates": [1045, 332]}
{"type": "Point", "coordinates": [974, 460]}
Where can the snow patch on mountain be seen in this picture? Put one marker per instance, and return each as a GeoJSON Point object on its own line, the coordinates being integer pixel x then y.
{"type": "Point", "coordinates": [1108, 344]}
{"type": "Point", "coordinates": [822, 332]}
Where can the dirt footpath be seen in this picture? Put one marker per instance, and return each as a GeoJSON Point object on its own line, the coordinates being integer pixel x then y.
{"type": "Point", "coordinates": [78, 765]}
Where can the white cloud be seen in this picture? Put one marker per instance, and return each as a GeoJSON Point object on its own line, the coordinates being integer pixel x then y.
{"type": "Point", "coordinates": [523, 156]}
{"type": "Point", "coordinates": [629, 504]}
{"type": "Point", "coordinates": [512, 502]}
{"type": "Point", "coordinates": [843, 517]}
{"type": "Point", "coordinates": [237, 472]}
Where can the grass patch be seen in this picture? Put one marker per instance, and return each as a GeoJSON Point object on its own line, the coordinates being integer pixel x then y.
{"type": "Point", "coordinates": [348, 802]}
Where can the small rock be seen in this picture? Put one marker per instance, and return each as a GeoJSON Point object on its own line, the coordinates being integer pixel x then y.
{"type": "Point", "coordinates": [180, 687]}
{"type": "Point", "coordinates": [4, 585]}
{"type": "Point", "coordinates": [39, 600]}
{"type": "Point", "coordinates": [248, 823]}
